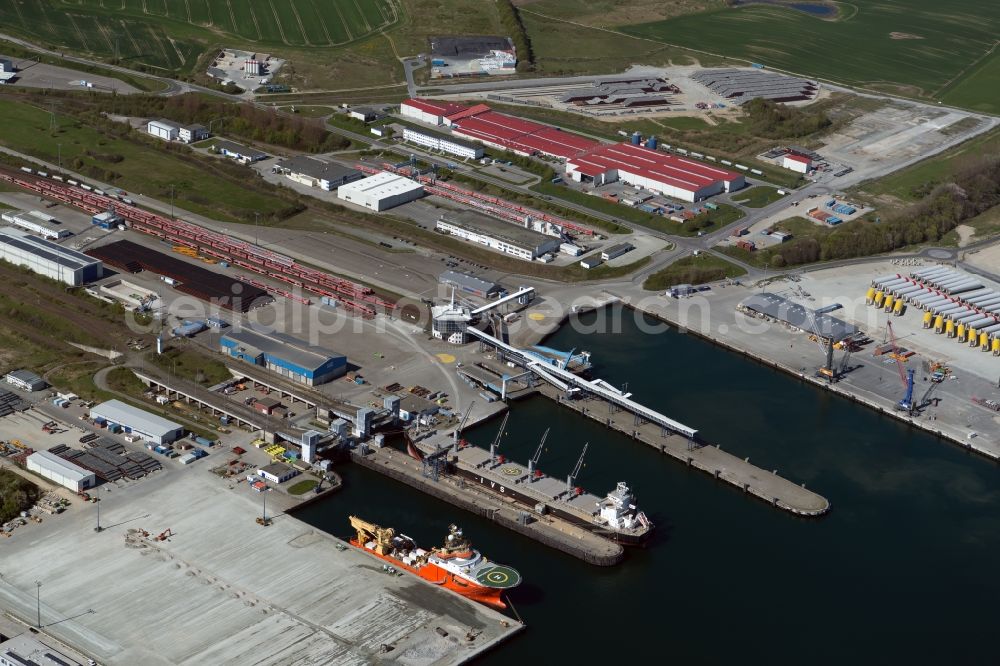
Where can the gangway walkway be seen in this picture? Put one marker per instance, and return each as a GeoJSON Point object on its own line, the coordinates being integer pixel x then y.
{"type": "Point", "coordinates": [501, 301]}
{"type": "Point", "coordinates": [569, 380]}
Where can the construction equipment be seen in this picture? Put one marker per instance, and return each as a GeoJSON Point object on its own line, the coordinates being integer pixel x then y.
{"type": "Point", "coordinates": [264, 522]}
{"type": "Point", "coordinates": [367, 532]}
{"type": "Point", "coordinates": [906, 404]}
{"type": "Point", "coordinates": [164, 535]}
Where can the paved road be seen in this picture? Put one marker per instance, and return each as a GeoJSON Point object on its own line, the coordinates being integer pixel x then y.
{"type": "Point", "coordinates": [682, 245]}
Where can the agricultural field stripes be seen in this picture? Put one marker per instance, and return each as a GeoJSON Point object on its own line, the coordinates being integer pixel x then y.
{"type": "Point", "coordinates": [912, 47]}
{"type": "Point", "coordinates": [171, 34]}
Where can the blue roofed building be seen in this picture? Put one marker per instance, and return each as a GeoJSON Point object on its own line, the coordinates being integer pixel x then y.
{"type": "Point", "coordinates": [285, 356]}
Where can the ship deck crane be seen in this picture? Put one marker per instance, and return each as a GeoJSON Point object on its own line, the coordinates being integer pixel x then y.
{"type": "Point", "coordinates": [458, 431]}
{"type": "Point", "coordinates": [571, 479]}
{"type": "Point", "coordinates": [533, 461]}
{"type": "Point", "coordinates": [496, 440]}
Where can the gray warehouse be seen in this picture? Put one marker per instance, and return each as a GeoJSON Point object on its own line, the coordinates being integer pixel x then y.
{"type": "Point", "coordinates": [777, 308]}
{"type": "Point", "coordinates": [316, 173]}
{"type": "Point", "coordinates": [150, 427]}
{"type": "Point", "coordinates": [48, 259]}
{"type": "Point", "coordinates": [284, 355]}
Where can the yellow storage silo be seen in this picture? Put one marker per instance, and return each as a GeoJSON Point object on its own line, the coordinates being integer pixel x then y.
{"type": "Point", "coordinates": [878, 299]}
{"type": "Point", "coordinates": [949, 328]}
{"type": "Point", "coordinates": [996, 346]}
{"type": "Point", "coordinates": [938, 324]}
{"type": "Point", "coordinates": [984, 341]}
{"type": "Point", "coordinates": [870, 296]}
{"type": "Point", "coordinates": [888, 302]}
{"type": "Point", "coordinates": [928, 319]}
{"type": "Point", "coordinates": [899, 308]}
{"type": "Point", "coordinates": [960, 333]}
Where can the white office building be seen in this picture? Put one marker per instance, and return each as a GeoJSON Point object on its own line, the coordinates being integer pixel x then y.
{"type": "Point", "coordinates": [48, 259]}
{"type": "Point", "coordinates": [34, 225]}
{"type": "Point", "coordinates": [500, 236]}
{"type": "Point", "coordinates": [168, 130]}
{"type": "Point", "coordinates": [381, 192]}
{"type": "Point", "coordinates": [149, 427]}
{"type": "Point", "coordinates": [314, 172]}
{"type": "Point", "coordinates": [25, 380]}
{"type": "Point", "coordinates": [61, 471]}
{"type": "Point", "coordinates": [443, 143]}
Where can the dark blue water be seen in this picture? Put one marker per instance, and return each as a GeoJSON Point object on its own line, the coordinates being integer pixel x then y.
{"type": "Point", "coordinates": [900, 571]}
{"type": "Point", "coordinates": [820, 10]}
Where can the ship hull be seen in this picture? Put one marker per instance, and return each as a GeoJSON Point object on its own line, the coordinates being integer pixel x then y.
{"type": "Point", "coordinates": [511, 492]}
{"type": "Point", "coordinates": [438, 576]}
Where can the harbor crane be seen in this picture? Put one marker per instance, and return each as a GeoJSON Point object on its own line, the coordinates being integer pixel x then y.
{"type": "Point", "coordinates": [533, 461]}
{"type": "Point", "coordinates": [496, 440]}
{"type": "Point", "coordinates": [571, 479]}
{"type": "Point", "coordinates": [905, 376]}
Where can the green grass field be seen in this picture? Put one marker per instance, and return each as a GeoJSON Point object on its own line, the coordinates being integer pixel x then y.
{"type": "Point", "coordinates": [757, 197]}
{"type": "Point", "coordinates": [914, 47]}
{"type": "Point", "coordinates": [142, 169]}
{"type": "Point", "coordinates": [968, 90]}
{"type": "Point", "coordinates": [172, 34]}
{"type": "Point", "coordinates": [693, 270]}
{"type": "Point", "coordinates": [914, 182]}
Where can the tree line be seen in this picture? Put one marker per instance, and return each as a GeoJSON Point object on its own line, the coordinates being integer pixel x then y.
{"type": "Point", "coordinates": [510, 19]}
{"type": "Point", "coordinates": [778, 121]}
{"type": "Point", "coordinates": [244, 121]}
{"type": "Point", "coordinates": [972, 190]}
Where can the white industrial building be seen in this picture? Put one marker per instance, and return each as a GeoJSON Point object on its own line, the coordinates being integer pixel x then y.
{"type": "Point", "coordinates": [678, 177]}
{"type": "Point", "coordinates": [506, 238]}
{"type": "Point", "coordinates": [149, 427]}
{"type": "Point", "coordinates": [381, 192]}
{"type": "Point", "coordinates": [48, 259]}
{"type": "Point", "coordinates": [450, 322]}
{"type": "Point", "coordinates": [61, 471]}
{"type": "Point", "coordinates": [34, 224]}
{"type": "Point", "coordinates": [25, 380]}
{"type": "Point", "coordinates": [616, 251]}
{"type": "Point", "coordinates": [428, 111]}
{"type": "Point", "coordinates": [238, 152]}
{"type": "Point", "coordinates": [168, 130]}
{"type": "Point", "coordinates": [443, 143]}
{"type": "Point", "coordinates": [277, 472]}
{"type": "Point", "coordinates": [798, 163]}
{"type": "Point", "coordinates": [313, 172]}
{"type": "Point", "coordinates": [26, 650]}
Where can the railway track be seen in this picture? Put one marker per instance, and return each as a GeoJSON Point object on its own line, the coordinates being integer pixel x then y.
{"type": "Point", "coordinates": [358, 298]}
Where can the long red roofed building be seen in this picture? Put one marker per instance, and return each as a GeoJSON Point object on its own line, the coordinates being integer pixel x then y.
{"type": "Point", "coordinates": [679, 177]}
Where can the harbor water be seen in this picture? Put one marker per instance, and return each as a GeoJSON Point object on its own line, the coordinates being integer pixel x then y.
{"type": "Point", "coordinates": [901, 570]}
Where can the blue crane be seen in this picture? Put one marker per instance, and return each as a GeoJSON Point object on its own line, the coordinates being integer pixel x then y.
{"type": "Point", "coordinates": [906, 404]}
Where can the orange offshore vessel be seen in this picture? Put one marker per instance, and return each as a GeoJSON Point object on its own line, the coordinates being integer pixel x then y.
{"type": "Point", "coordinates": [456, 565]}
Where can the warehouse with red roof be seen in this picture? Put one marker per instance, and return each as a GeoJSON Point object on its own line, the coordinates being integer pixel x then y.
{"type": "Point", "coordinates": [678, 177]}
{"type": "Point", "coordinates": [429, 110]}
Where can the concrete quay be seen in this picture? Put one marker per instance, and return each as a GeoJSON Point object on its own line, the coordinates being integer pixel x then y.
{"type": "Point", "coordinates": [224, 590]}
{"type": "Point", "coordinates": [768, 486]}
{"type": "Point", "coordinates": [551, 532]}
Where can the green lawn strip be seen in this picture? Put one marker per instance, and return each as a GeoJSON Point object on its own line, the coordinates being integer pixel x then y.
{"type": "Point", "coordinates": [757, 197]}
{"type": "Point", "coordinates": [302, 487]}
{"type": "Point", "coordinates": [693, 270]}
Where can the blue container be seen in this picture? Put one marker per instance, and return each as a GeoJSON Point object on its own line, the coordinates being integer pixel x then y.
{"type": "Point", "coordinates": [652, 143]}
{"type": "Point", "coordinates": [203, 442]}
{"type": "Point", "coordinates": [636, 139]}
{"type": "Point", "coordinates": [437, 62]}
